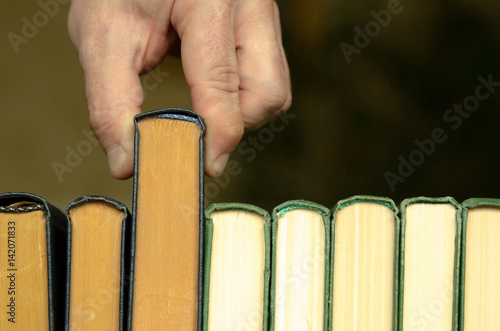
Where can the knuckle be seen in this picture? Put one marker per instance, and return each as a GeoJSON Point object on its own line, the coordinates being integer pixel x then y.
{"type": "Point", "coordinates": [232, 126]}
{"type": "Point", "coordinates": [104, 124]}
{"type": "Point", "coordinates": [277, 99]}
{"type": "Point", "coordinates": [236, 131]}
{"type": "Point", "coordinates": [99, 122]}
{"type": "Point", "coordinates": [224, 78]}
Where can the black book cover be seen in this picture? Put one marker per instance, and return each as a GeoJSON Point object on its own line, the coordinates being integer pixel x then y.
{"type": "Point", "coordinates": [185, 115]}
{"type": "Point", "coordinates": [57, 258]}
{"type": "Point", "coordinates": [125, 253]}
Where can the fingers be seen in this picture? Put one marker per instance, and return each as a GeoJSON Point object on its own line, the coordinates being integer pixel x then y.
{"type": "Point", "coordinates": [211, 70]}
{"type": "Point", "coordinates": [116, 41]}
{"type": "Point", "coordinates": [234, 63]}
{"type": "Point", "coordinates": [265, 79]}
{"type": "Point", "coordinates": [113, 92]}
{"type": "Point", "coordinates": [114, 96]}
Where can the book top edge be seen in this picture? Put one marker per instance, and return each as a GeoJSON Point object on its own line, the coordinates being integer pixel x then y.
{"type": "Point", "coordinates": [281, 209]}
{"type": "Point", "coordinates": [433, 200]}
{"type": "Point", "coordinates": [236, 206]}
{"type": "Point", "coordinates": [173, 113]}
{"type": "Point", "coordinates": [51, 213]}
{"type": "Point", "coordinates": [9, 198]}
{"type": "Point", "coordinates": [88, 198]}
{"type": "Point", "coordinates": [388, 202]}
{"type": "Point", "coordinates": [478, 202]}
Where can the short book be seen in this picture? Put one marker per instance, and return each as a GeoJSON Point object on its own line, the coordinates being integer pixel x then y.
{"type": "Point", "coordinates": [99, 263]}
{"type": "Point", "coordinates": [33, 237]}
{"type": "Point", "coordinates": [237, 267]}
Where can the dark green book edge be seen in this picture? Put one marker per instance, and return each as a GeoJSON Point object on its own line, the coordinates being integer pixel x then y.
{"type": "Point", "coordinates": [442, 200]}
{"type": "Point", "coordinates": [124, 252]}
{"type": "Point", "coordinates": [209, 231]}
{"type": "Point", "coordinates": [389, 203]}
{"type": "Point", "coordinates": [57, 258]}
{"type": "Point", "coordinates": [279, 210]}
{"type": "Point", "coordinates": [466, 205]}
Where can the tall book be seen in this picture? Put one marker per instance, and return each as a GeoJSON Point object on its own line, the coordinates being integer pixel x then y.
{"type": "Point", "coordinates": [300, 267]}
{"type": "Point", "coordinates": [237, 267]}
{"type": "Point", "coordinates": [100, 261]}
{"type": "Point", "coordinates": [364, 285]}
{"type": "Point", "coordinates": [33, 237]}
{"type": "Point", "coordinates": [480, 269]}
{"type": "Point", "coordinates": [429, 263]}
{"type": "Point", "coordinates": [167, 224]}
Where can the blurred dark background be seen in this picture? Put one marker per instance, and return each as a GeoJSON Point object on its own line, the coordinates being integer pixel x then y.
{"type": "Point", "coordinates": [374, 82]}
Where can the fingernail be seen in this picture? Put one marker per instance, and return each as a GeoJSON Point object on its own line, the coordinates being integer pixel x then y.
{"type": "Point", "coordinates": [116, 157]}
{"type": "Point", "coordinates": [220, 164]}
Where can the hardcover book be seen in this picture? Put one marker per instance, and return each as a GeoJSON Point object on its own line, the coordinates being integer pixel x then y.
{"type": "Point", "coordinates": [300, 268]}
{"type": "Point", "coordinates": [480, 269]}
{"type": "Point", "coordinates": [237, 267]}
{"type": "Point", "coordinates": [34, 239]}
{"type": "Point", "coordinates": [167, 224]}
{"type": "Point", "coordinates": [364, 285]}
{"type": "Point", "coordinates": [429, 263]}
{"type": "Point", "coordinates": [100, 260]}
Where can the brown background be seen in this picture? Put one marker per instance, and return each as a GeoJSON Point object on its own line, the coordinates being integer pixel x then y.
{"type": "Point", "coordinates": [352, 120]}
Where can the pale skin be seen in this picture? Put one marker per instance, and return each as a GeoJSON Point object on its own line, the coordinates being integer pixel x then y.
{"type": "Point", "coordinates": [232, 57]}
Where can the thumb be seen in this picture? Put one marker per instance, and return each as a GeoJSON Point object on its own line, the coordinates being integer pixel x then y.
{"type": "Point", "coordinates": [114, 96]}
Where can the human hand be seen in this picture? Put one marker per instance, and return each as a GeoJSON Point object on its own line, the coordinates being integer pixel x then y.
{"type": "Point", "coordinates": [232, 57]}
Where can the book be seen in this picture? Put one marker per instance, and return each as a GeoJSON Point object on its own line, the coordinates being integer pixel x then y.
{"type": "Point", "coordinates": [480, 268]}
{"type": "Point", "coordinates": [237, 267]}
{"type": "Point", "coordinates": [100, 260]}
{"type": "Point", "coordinates": [33, 272]}
{"type": "Point", "coordinates": [429, 263]}
{"type": "Point", "coordinates": [300, 267]}
{"type": "Point", "coordinates": [167, 224]}
{"type": "Point", "coordinates": [306, 267]}
{"type": "Point", "coordinates": [365, 247]}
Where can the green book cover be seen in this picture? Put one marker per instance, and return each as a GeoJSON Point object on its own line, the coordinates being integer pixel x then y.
{"type": "Point", "coordinates": [429, 312]}
{"type": "Point", "coordinates": [302, 267]}
{"type": "Point", "coordinates": [209, 236]}
{"type": "Point", "coordinates": [467, 205]}
{"type": "Point", "coordinates": [393, 210]}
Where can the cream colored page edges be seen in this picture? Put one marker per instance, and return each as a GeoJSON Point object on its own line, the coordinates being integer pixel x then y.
{"type": "Point", "coordinates": [482, 270]}
{"type": "Point", "coordinates": [363, 268]}
{"type": "Point", "coordinates": [31, 286]}
{"type": "Point", "coordinates": [430, 235]}
{"type": "Point", "coordinates": [96, 235]}
{"type": "Point", "coordinates": [300, 271]}
{"type": "Point", "coordinates": [236, 300]}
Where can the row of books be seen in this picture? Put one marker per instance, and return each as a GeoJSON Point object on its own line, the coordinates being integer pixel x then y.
{"type": "Point", "coordinates": [174, 265]}
{"type": "Point", "coordinates": [365, 264]}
